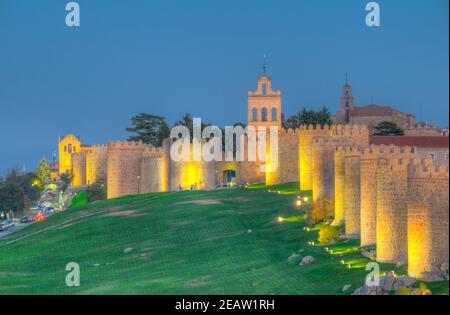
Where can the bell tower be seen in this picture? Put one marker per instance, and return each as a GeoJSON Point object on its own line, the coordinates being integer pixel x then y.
{"type": "Point", "coordinates": [264, 104]}
{"type": "Point", "coordinates": [346, 99]}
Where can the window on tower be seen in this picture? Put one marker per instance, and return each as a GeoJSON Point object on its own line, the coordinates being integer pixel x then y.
{"type": "Point", "coordinates": [274, 114]}
{"type": "Point", "coordinates": [254, 114]}
{"type": "Point", "coordinates": [264, 114]}
{"type": "Point", "coordinates": [264, 89]}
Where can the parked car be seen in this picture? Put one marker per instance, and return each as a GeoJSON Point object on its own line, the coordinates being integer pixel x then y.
{"type": "Point", "coordinates": [26, 219]}
{"type": "Point", "coordinates": [48, 212]}
{"type": "Point", "coordinates": [9, 223]}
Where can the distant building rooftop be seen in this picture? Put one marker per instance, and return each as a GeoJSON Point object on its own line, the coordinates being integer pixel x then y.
{"type": "Point", "coordinates": [371, 110]}
{"type": "Point", "coordinates": [417, 141]}
{"type": "Point", "coordinates": [54, 166]}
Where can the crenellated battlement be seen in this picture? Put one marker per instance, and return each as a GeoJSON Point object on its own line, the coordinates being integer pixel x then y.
{"type": "Point", "coordinates": [348, 149]}
{"type": "Point", "coordinates": [394, 164]}
{"type": "Point", "coordinates": [325, 143]}
{"type": "Point", "coordinates": [289, 131]}
{"type": "Point", "coordinates": [391, 151]}
{"type": "Point", "coordinates": [433, 171]}
{"type": "Point", "coordinates": [128, 145]}
{"type": "Point", "coordinates": [99, 146]}
{"type": "Point", "coordinates": [311, 127]}
{"type": "Point", "coordinates": [151, 152]}
{"type": "Point", "coordinates": [349, 130]}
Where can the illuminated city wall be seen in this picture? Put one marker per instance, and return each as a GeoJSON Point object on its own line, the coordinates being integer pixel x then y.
{"type": "Point", "coordinates": [192, 174]}
{"type": "Point", "coordinates": [96, 163]}
{"type": "Point", "coordinates": [339, 177]}
{"type": "Point", "coordinates": [369, 164]}
{"type": "Point", "coordinates": [427, 222]}
{"type": "Point", "coordinates": [288, 162]}
{"type": "Point", "coordinates": [250, 171]}
{"type": "Point", "coordinates": [306, 136]}
{"type": "Point", "coordinates": [352, 189]}
{"type": "Point", "coordinates": [391, 229]}
{"type": "Point", "coordinates": [322, 178]}
{"type": "Point", "coordinates": [78, 168]}
{"type": "Point", "coordinates": [124, 167]}
{"type": "Point", "coordinates": [154, 174]}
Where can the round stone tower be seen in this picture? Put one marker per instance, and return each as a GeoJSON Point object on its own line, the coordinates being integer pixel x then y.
{"type": "Point", "coordinates": [306, 136]}
{"type": "Point", "coordinates": [352, 191]}
{"type": "Point", "coordinates": [322, 178]}
{"type": "Point", "coordinates": [369, 164]}
{"type": "Point", "coordinates": [124, 168]}
{"type": "Point", "coordinates": [428, 228]}
{"type": "Point", "coordinates": [391, 213]}
{"type": "Point", "coordinates": [339, 176]}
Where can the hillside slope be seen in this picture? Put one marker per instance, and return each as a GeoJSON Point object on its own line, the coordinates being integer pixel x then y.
{"type": "Point", "coordinates": [195, 242]}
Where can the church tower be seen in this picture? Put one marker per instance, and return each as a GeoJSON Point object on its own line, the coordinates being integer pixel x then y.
{"type": "Point", "coordinates": [346, 99]}
{"type": "Point", "coordinates": [264, 104]}
{"type": "Point", "coordinates": [66, 146]}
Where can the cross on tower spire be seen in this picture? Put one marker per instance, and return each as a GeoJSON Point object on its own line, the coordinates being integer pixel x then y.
{"type": "Point", "coordinates": [346, 78]}
{"type": "Point", "coordinates": [264, 66]}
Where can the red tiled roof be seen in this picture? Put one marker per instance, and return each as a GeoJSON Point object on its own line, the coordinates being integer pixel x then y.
{"type": "Point", "coordinates": [418, 141]}
{"type": "Point", "coordinates": [372, 110]}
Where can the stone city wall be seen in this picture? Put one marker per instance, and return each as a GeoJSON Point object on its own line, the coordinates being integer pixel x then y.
{"type": "Point", "coordinates": [427, 220]}
{"type": "Point", "coordinates": [124, 167]}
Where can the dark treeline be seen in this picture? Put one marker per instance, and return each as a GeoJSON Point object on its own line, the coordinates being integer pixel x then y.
{"type": "Point", "coordinates": [18, 190]}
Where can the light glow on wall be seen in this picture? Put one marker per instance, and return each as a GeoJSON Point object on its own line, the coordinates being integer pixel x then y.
{"type": "Point", "coordinates": [192, 174]}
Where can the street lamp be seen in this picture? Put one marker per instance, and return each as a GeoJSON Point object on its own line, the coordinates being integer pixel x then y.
{"type": "Point", "coordinates": [139, 184]}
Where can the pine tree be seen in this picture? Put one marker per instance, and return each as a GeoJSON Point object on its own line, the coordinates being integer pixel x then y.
{"type": "Point", "coordinates": [148, 128]}
{"type": "Point", "coordinates": [43, 171]}
{"type": "Point", "coordinates": [66, 179]}
{"type": "Point", "coordinates": [387, 128]}
{"type": "Point", "coordinates": [163, 133]}
{"type": "Point", "coordinates": [309, 117]}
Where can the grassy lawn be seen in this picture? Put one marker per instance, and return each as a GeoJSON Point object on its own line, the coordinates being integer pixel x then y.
{"type": "Point", "coordinates": [79, 199]}
{"type": "Point", "coordinates": [226, 241]}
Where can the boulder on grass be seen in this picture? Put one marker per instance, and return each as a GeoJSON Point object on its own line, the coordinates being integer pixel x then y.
{"type": "Point", "coordinates": [346, 287]}
{"type": "Point", "coordinates": [307, 260]}
{"type": "Point", "coordinates": [127, 250]}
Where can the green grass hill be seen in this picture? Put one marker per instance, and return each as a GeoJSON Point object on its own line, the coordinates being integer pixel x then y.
{"type": "Point", "coordinates": [227, 241]}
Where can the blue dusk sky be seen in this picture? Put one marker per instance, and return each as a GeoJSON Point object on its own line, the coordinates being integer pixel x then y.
{"type": "Point", "coordinates": [170, 57]}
